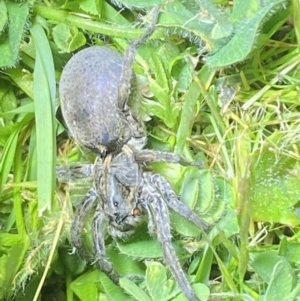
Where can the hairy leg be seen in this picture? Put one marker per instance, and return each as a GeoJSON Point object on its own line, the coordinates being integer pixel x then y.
{"type": "Point", "coordinates": [172, 200]}
{"type": "Point", "coordinates": [99, 245]}
{"type": "Point", "coordinates": [74, 172]}
{"type": "Point", "coordinates": [152, 200]}
{"type": "Point", "coordinates": [149, 156]}
{"type": "Point", "coordinates": [81, 214]}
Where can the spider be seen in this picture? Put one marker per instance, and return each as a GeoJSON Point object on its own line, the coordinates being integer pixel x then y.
{"type": "Point", "coordinates": [122, 190]}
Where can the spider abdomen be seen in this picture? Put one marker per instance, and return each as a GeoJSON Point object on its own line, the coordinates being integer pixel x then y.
{"type": "Point", "coordinates": [89, 98]}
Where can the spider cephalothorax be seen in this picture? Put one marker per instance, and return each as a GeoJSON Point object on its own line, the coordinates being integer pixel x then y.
{"type": "Point", "coordinates": [98, 117]}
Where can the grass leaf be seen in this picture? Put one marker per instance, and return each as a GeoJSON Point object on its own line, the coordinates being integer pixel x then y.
{"type": "Point", "coordinates": [44, 99]}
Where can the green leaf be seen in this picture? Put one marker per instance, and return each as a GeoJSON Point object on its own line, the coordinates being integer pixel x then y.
{"type": "Point", "coordinates": [26, 108]}
{"type": "Point", "coordinates": [159, 287]}
{"type": "Point", "coordinates": [245, 33]}
{"type": "Point", "coordinates": [23, 80]}
{"type": "Point", "coordinates": [141, 249]}
{"type": "Point", "coordinates": [68, 38]}
{"type": "Point", "coordinates": [124, 264]}
{"type": "Point", "coordinates": [132, 289]}
{"type": "Point", "coordinates": [10, 263]}
{"type": "Point", "coordinates": [9, 46]}
{"type": "Point", "coordinates": [275, 190]}
{"type": "Point", "coordinates": [177, 17]}
{"type": "Point", "coordinates": [44, 99]}
{"type": "Point", "coordinates": [201, 290]}
{"type": "Point", "coordinates": [187, 116]}
{"type": "Point", "coordinates": [113, 291]}
{"type": "Point", "coordinates": [91, 6]}
{"type": "Point", "coordinates": [263, 263]}
{"type": "Point", "coordinates": [3, 16]}
{"type": "Point", "coordinates": [85, 286]}
{"type": "Point", "coordinates": [283, 280]}
{"type": "Point", "coordinates": [161, 75]}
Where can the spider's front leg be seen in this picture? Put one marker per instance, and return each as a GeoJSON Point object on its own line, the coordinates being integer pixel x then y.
{"type": "Point", "coordinates": [84, 209]}
{"type": "Point", "coordinates": [157, 209]}
{"type": "Point", "coordinates": [74, 172]}
{"type": "Point", "coordinates": [148, 156]}
{"type": "Point", "coordinates": [172, 200]}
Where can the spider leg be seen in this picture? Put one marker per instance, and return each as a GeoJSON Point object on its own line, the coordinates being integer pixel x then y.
{"type": "Point", "coordinates": [81, 214]}
{"type": "Point", "coordinates": [149, 156]}
{"type": "Point", "coordinates": [127, 73]}
{"type": "Point", "coordinates": [152, 200]}
{"type": "Point", "coordinates": [66, 173]}
{"type": "Point", "coordinates": [172, 200]}
{"type": "Point", "coordinates": [99, 245]}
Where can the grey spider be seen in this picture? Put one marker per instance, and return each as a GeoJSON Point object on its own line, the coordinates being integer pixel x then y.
{"type": "Point", "coordinates": [94, 90]}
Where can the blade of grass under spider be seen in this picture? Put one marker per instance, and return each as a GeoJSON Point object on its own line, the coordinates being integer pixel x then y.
{"type": "Point", "coordinates": [44, 99]}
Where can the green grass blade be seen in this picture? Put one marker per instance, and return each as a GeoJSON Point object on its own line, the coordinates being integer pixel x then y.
{"type": "Point", "coordinates": [44, 99]}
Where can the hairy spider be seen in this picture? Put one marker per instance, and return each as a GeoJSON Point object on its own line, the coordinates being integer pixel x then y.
{"type": "Point", "coordinates": [94, 90]}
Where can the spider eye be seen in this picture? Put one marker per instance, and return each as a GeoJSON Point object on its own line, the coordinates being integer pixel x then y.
{"type": "Point", "coordinates": [136, 211]}
{"type": "Point", "coordinates": [116, 204]}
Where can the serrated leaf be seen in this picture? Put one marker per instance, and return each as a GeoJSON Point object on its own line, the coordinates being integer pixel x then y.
{"type": "Point", "coordinates": [9, 47]}
{"type": "Point", "coordinates": [176, 17]}
{"type": "Point", "coordinates": [124, 264]}
{"type": "Point", "coordinates": [242, 42]}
